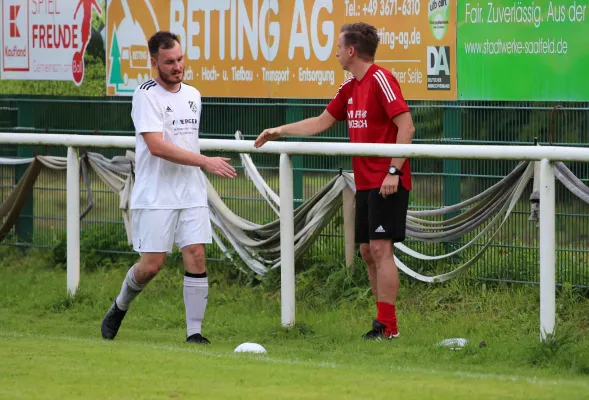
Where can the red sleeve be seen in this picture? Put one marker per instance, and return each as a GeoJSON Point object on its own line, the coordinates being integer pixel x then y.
{"type": "Point", "coordinates": [338, 106]}
{"type": "Point", "coordinates": [389, 94]}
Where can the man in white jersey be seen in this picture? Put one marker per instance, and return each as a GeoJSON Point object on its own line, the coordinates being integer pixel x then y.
{"type": "Point", "coordinates": [169, 199]}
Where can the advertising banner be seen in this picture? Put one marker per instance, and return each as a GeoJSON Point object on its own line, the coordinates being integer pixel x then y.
{"type": "Point", "coordinates": [52, 41]}
{"type": "Point", "coordinates": [523, 50]}
{"type": "Point", "coordinates": [282, 49]}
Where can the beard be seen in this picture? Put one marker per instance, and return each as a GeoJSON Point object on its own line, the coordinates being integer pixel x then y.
{"type": "Point", "coordinates": [170, 79]}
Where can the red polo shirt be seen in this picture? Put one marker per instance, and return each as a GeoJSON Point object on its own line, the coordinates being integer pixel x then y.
{"type": "Point", "coordinates": [369, 105]}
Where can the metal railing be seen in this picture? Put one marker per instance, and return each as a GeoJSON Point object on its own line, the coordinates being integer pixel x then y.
{"type": "Point", "coordinates": [545, 154]}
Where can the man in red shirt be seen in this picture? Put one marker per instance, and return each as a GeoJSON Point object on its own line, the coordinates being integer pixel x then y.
{"type": "Point", "coordinates": [376, 112]}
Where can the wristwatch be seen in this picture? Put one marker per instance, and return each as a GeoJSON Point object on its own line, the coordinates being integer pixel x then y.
{"type": "Point", "coordinates": [395, 171]}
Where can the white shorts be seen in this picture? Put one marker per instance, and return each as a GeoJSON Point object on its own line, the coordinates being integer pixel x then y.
{"type": "Point", "coordinates": [155, 231]}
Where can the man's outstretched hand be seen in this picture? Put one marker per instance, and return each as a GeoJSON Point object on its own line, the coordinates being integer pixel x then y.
{"type": "Point", "coordinates": [220, 166]}
{"type": "Point", "coordinates": [267, 135]}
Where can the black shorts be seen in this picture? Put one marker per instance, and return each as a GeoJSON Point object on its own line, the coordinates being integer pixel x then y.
{"type": "Point", "coordinates": [380, 218]}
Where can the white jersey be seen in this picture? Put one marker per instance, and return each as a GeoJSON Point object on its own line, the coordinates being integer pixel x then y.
{"type": "Point", "coordinates": [161, 184]}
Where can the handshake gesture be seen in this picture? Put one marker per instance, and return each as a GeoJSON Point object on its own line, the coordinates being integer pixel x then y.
{"type": "Point", "coordinates": [267, 135]}
{"type": "Point", "coordinates": [220, 166]}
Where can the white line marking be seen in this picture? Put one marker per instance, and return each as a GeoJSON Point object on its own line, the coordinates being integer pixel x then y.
{"type": "Point", "coordinates": [193, 349]}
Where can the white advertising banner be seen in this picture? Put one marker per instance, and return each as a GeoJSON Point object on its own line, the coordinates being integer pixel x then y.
{"type": "Point", "coordinates": [46, 39]}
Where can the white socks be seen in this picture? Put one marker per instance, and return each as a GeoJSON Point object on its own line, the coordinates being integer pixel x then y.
{"type": "Point", "coordinates": [196, 293]}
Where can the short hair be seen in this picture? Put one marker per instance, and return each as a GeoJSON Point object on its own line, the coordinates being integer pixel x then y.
{"type": "Point", "coordinates": [162, 40]}
{"type": "Point", "coordinates": [363, 37]}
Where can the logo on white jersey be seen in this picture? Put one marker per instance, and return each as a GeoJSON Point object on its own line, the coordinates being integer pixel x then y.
{"type": "Point", "coordinates": [193, 106]}
{"type": "Point", "coordinates": [187, 121]}
{"type": "Point", "coordinates": [188, 126]}
{"type": "Point", "coordinates": [168, 109]}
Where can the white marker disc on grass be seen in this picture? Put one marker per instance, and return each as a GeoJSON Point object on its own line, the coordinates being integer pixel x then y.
{"type": "Point", "coordinates": [250, 348]}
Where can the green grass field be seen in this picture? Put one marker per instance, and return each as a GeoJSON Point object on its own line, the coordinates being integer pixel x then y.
{"type": "Point", "coordinates": [51, 348]}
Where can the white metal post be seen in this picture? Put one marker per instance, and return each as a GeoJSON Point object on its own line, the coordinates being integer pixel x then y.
{"type": "Point", "coordinates": [547, 250]}
{"type": "Point", "coordinates": [73, 220]}
{"type": "Point", "coordinates": [287, 264]}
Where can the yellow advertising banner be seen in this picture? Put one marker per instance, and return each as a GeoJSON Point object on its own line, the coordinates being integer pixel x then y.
{"type": "Point", "coordinates": [283, 49]}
